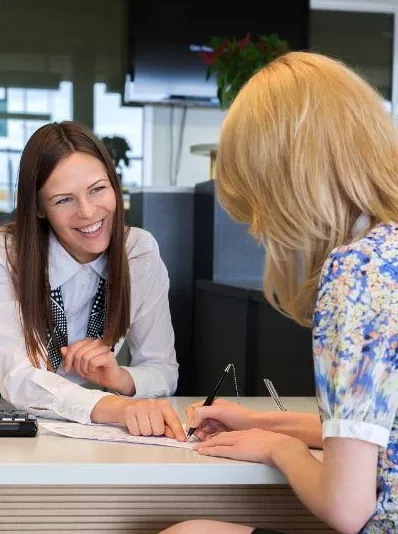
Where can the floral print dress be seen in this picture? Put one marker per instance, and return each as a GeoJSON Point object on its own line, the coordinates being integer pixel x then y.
{"type": "Point", "coordinates": [355, 341]}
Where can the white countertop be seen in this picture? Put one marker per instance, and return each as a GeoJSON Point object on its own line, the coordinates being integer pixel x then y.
{"type": "Point", "coordinates": [50, 459]}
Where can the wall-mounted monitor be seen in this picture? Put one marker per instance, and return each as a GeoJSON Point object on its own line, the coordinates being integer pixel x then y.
{"type": "Point", "coordinates": [165, 37]}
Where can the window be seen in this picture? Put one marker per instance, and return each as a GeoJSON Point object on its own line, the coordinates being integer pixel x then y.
{"type": "Point", "coordinates": [111, 119]}
{"type": "Point", "coordinates": [24, 111]}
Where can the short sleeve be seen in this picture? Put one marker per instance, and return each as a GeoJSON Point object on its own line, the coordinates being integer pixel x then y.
{"type": "Point", "coordinates": [355, 340]}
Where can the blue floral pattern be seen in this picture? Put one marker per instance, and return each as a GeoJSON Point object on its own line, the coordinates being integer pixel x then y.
{"type": "Point", "coordinates": [355, 341]}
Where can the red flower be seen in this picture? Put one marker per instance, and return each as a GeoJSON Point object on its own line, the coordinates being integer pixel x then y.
{"type": "Point", "coordinates": [208, 57]}
{"type": "Point", "coordinates": [223, 47]}
{"type": "Point", "coordinates": [244, 42]}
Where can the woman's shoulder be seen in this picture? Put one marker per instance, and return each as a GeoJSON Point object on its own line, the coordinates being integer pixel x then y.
{"type": "Point", "coordinates": [140, 242]}
{"type": "Point", "coordinates": [374, 254]}
{"type": "Point", "coordinates": [357, 292]}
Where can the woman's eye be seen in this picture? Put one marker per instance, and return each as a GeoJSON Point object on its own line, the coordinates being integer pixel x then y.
{"type": "Point", "coordinates": [63, 200]}
{"type": "Point", "coordinates": [97, 189]}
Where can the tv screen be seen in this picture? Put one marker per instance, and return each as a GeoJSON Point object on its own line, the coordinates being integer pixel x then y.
{"type": "Point", "coordinates": [166, 36]}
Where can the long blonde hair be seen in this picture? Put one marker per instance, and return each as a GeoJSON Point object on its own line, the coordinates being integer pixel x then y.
{"type": "Point", "coordinates": [305, 148]}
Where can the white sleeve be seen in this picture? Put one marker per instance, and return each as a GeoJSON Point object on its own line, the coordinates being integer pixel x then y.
{"type": "Point", "coordinates": [40, 391]}
{"type": "Point", "coordinates": [150, 339]}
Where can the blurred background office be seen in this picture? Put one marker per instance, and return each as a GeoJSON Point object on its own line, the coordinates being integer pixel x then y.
{"type": "Point", "coordinates": [131, 70]}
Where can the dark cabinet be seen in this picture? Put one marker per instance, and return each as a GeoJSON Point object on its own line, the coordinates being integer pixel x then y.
{"type": "Point", "coordinates": [237, 325]}
{"type": "Point", "coordinates": [168, 215]}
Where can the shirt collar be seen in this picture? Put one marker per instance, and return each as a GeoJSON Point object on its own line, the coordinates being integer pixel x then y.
{"type": "Point", "coordinates": [360, 225]}
{"type": "Point", "coordinates": [62, 266]}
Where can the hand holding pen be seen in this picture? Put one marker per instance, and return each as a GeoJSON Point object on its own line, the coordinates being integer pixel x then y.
{"type": "Point", "coordinates": [210, 399]}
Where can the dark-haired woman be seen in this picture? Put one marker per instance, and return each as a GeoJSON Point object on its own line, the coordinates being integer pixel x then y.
{"type": "Point", "coordinates": [74, 282]}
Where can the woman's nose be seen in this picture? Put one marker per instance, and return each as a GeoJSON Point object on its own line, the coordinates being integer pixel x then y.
{"type": "Point", "coordinates": [85, 209]}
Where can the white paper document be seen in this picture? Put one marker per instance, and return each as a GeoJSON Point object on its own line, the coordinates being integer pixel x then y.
{"type": "Point", "coordinates": [109, 433]}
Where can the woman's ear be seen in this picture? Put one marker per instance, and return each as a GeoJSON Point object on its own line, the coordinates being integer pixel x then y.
{"type": "Point", "coordinates": [40, 210]}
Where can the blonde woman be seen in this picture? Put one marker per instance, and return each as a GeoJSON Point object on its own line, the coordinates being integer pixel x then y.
{"type": "Point", "coordinates": [308, 158]}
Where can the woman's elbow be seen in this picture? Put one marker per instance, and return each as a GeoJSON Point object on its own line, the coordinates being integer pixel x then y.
{"type": "Point", "coordinates": [173, 385]}
{"type": "Point", "coordinates": [346, 521]}
{"type": "Point", "coordinates": [170, 381]}
{"type": "Point", "coordinates": [351, 528]}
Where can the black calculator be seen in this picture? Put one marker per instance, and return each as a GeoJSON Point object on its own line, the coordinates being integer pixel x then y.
{"type": "Point", "coordinates": [16, 423]}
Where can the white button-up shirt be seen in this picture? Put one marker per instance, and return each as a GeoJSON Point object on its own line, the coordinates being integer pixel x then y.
{"type": "Point", "coordinates": [150, 338]}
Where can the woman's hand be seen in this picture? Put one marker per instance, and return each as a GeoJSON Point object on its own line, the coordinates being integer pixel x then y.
{"type": "Point", "coordinates": [93, 360]}
{"type": "Point", "coordinates": [221, 416]}
{"type": "Point", "coordinates": [141, 417]}
{"type": "Point", "coordinates": [152, 417]}
{"type": "Point", "coordinates": [252, 445]}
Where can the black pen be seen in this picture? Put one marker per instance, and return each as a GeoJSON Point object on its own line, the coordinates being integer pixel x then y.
{"type": "Point", "coordinates": [210, 398]}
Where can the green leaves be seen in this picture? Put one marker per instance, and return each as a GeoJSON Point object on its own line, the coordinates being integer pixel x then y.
{"type": "Point", "coordinates": [234, 61]}
{"type": "Point", "coordinates": [117, 147]}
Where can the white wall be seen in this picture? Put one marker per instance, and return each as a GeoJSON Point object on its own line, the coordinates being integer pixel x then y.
{"type": "Point", "coordinates": [202, 126]}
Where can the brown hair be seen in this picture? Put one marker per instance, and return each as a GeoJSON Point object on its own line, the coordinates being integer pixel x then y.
{"type": "Point", "coordinates": [27, 239]}
{"type": "Point", "coordinates": [306, 147]}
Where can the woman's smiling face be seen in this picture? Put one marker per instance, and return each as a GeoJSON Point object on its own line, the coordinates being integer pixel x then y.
{"type": "Point", "coordinates": [79, 203]}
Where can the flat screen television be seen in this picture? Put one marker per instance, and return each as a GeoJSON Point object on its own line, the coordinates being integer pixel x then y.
{"type": "Point", "coordinates": [166, 36]}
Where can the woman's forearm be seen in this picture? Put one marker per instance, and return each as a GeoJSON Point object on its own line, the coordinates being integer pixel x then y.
{"type": "Point", "coordinates": [304, 474]}
{"type": "Point", "coordinates": [109, 409]}
{"type": "Point", "coordinates": [125, 384]}
{"type": "Point", "coordinates": [304, 426]}
{"type": "Point", "coordinates": [345, 498]}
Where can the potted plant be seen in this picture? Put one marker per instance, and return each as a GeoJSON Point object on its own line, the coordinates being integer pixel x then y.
{"type": "Point", "coordinates": [234, 61]}
{"type": "Point", "coordinates": [118, 149]}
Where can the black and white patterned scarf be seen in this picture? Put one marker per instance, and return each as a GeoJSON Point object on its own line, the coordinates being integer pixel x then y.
{"type": "Point", "coordinates": [59, 336]}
